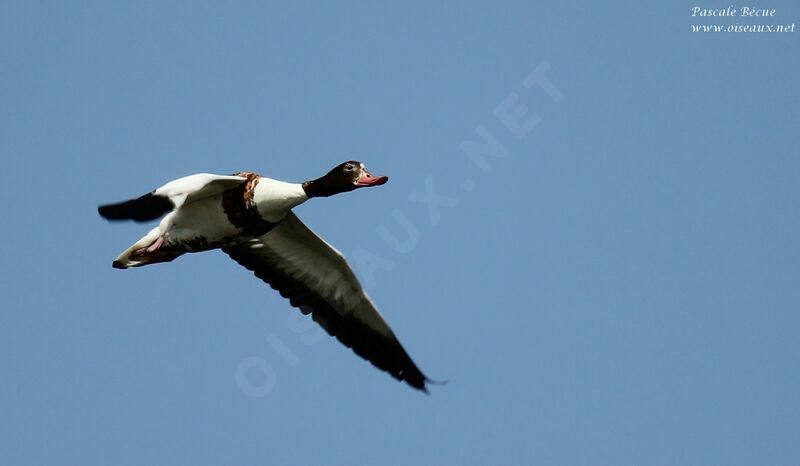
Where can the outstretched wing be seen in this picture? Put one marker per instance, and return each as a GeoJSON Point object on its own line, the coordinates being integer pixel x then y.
{"type": "Point", "coordinates": [169, 197]}
{"type": "Point", "coordinates": [316, 278]}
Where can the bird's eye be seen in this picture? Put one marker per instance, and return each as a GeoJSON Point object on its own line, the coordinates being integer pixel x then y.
{"type": "Point", "coordinates": [349, 167]}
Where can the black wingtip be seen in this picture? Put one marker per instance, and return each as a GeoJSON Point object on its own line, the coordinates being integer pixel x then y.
{"type": "Point", "coordinates": [424, 386]}
{"type": "Point", "coordinates": [420, 381]}
{"type": "Point", "coordinates": [142, 209]}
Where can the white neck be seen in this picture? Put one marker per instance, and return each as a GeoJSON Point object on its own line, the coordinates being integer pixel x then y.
{"type": "Point", "coordinates": [275, 198]}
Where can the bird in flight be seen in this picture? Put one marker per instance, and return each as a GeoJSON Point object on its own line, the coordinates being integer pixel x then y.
{"type": "Point", "coordinates": [249, 217]}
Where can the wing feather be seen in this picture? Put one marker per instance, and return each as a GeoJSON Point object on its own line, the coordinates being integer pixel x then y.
{"type": "Point", "coordinates": [199, 186]}
{"type": "Point", "coordinates": [316, 278]}
{"type": "Point", "coordinates": [169, 197]}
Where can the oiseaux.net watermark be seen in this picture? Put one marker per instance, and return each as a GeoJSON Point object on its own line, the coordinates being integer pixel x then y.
{"type": "Point", "coordinates": [739, 19]}
{"type": "Point", "coordinates": [256, 376]}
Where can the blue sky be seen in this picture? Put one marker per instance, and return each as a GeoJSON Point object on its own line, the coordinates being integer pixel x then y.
{"type": "Point", "coordinates": [619, 288]}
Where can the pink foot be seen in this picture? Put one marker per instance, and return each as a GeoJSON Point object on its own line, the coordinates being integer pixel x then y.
{"type": "Point", "coordinates": [154, 253]}
{"type": "Point", "coordinates": [156, 245]}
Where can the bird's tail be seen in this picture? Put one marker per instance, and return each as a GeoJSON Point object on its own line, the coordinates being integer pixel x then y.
{"type": "Point", "coordinates": [146, 251]}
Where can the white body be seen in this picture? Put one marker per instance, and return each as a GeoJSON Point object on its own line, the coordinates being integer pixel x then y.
{"type": "Point", "coordinates": [199, 221]}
